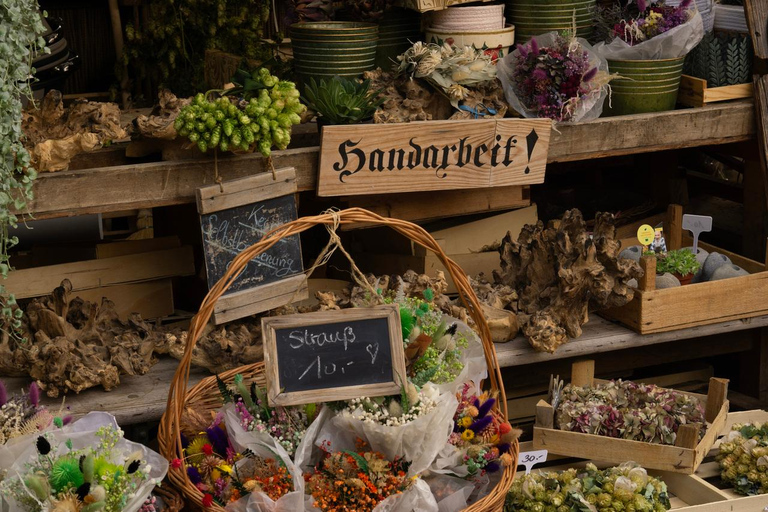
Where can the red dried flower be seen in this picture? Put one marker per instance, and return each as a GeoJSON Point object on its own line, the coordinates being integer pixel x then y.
{"type": "Point", "coordinates": [207, 449]}
{"type": "Point", "coordinates": [207, 500]}
{"type": "Point", "coordinates": [176, 463]}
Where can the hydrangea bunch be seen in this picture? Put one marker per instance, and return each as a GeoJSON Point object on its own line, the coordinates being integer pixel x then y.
{"type": "Point", "coordinates": [394, 410]}
{"type": "Point", "coordinates": [453, 69]}
{"type": "Point", "coordinates": [95, 478]}
{"type": "Point", "coordinates": [23, 415]}
{"type": "Point", "coordinates": [627, 410]}
{"type": "Point", "coordinates": [287, 425]}
{"type": "Point", "coordinates": [484, 440]}
{"type": "Point", "coordinates": [743, 458]}
{"type": "Point", "coordinates": [223, 475]}
{"type": "Point", "coordinates": [359, 481]}
{"type": "Point", "coordinates": [552, 81]}
{"type": "Point", "coordinates": [625, 488]}
{"type": "Point", "coordinates": [652, 19]}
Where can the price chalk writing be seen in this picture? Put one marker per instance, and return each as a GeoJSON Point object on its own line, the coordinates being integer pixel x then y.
{"type": "Point", "coordinates": [530, 459]}
{"type": "Point", "coordinates": [333, 355]}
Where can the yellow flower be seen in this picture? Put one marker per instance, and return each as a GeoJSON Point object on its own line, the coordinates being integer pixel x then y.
{"type": "Point", "coordinates": [467, 435]}
{"type": "Point", "coordinates": [225, 468]}
{"type": "Point", "coordinates": [465, 421]}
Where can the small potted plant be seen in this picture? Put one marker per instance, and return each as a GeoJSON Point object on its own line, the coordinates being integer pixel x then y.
{"type": "Point", "coordinates": [342, 101]}
{"type": "Point", "coordinates": [681, 263]}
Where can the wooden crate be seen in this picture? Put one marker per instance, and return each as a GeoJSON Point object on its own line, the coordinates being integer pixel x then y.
{"type": "Point", "coordinates": [684, 457]}
{"type": "Point", "coordinates": [694, 92]}
{"type": "Point", "coordinates": [652, 311]}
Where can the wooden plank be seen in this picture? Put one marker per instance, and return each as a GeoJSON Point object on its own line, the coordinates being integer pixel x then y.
{"type": "Point", "coordinates": [757, 19]}
{"type": "Point", "coordinates": [35, 282]}
{"type": "Point", "coordinates": [253, 189]}
{"type": "Point", "coordinates": [78, 192]}
{"type": "Point", "coordinates": [123, 248]}
{"type": "Point", "coordinates": [601, 336]}
{"type": "Point", "coordinates": [716, 396]}
{"type": "Point", "coordinates": [431, 155]}
{"type": "Point", "coordinates": [648, 280]}
{"type": "Point", "coordinates": [445, 203]}
{"type": "Point", "coordinates": [692, 489]}
{"type": "Point", "coordinates": [583, 373]}
{"type": "Point", "coordinates": [694, 92]}
{"type": "Point", "coordinates": [152, 299]}
{"type": "Point", "coordinates": [263, 298]}
{"type": "Point", "coordinates": [688, 436]}
{"type": "Point", "coordinates": [545, 417]}
{"type": "Point", "coordinates": [673, 227]}
{"type": "Point", "coordinates": [138, 399]}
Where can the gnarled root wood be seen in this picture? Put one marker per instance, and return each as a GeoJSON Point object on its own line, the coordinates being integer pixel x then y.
{"type": "Point", "coordinates": [559, 272]}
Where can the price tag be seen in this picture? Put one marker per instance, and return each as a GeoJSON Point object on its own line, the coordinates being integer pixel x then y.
{"type": "Point", "coordinates": [645, 235]}
{"type": "Point", "coordinates": [530, 459]}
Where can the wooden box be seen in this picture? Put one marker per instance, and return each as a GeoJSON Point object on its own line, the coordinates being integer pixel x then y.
{"type": "Point", "coordinates": [652, 311]}
{"type": "Point", "coordinates": [694, 92]}
{"type": "Point", "coordinates": [684, 457]}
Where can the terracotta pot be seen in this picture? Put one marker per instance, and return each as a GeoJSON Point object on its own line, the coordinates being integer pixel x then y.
{"type": "Point", "coordinates": [684, 280]}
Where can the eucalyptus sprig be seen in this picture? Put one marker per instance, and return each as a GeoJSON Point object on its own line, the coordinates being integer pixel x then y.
{"type": "Point", "coordinates": [21, 30]}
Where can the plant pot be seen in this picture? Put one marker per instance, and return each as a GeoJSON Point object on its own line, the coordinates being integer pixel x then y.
{"type": "Point", "coordinates": [535, 17]}
{"type": "Point", "coordinates": [721, 59]}
{"type": "Point", "coordinates": [398, 30]}
{"type": "Point", "coordinates": [473, 18]}
{"type": "Point", "coordinates": [327, 49]}
{"type": "Point", "coordinates": [496, 41]}
{"type": "Point", "coordinates": [645, 86]}
{"type": "Point", "coordinates": [684, 280]}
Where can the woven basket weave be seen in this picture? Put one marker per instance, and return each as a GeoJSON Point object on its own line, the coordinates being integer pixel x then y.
{"type": "Point", "coordinates": [205, 396]}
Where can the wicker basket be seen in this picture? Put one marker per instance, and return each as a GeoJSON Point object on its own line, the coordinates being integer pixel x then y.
{"type": "Point", "coordinates": [205, 396]}
{"type": "Point", "coordinates": [172, 500]}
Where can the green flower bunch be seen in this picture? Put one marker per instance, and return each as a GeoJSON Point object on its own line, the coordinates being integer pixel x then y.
{"type": "Point", "coordinates": [682, 262]}
{"type": "Point", "coordinates": [92, 479]}
{"type": "Point", "coordinates": [625, 488]}
{"type": "Point", "coordinates": [743, 458]}
{"type": "Point", "coordinates": [260, 119]}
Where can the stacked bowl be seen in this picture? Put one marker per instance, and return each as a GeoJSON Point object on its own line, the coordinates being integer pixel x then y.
{"type": "Point", "coordinates": [480, 26]}
{"type": "Point", "coordinates": [535, 17]}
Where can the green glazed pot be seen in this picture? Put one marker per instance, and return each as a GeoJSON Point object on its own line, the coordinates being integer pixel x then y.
{"type": "Point", "coordinates": [535, 18]}
{"type": "Point", "coordinates": [326, 49]}
{"type": "Point", "coordinates": [398, 30]}
{"type": "Point", "coordinates": [645, 86]}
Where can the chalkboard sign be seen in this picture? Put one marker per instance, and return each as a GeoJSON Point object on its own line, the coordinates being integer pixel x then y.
{"type": "Point", "coordinates": [236, 218]}
{"type": "Point", "coordinates": [333, 355]}
{"type": "Point", "coordinates": [227, 233]}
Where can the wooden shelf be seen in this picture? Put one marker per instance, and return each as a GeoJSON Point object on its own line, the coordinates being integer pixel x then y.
{"type": "Point", "coordinates": [143, 398]}
{"type": "Point", "coordinates": [601, 335]}
{"type": "Point", "coordinates": [147, 185]}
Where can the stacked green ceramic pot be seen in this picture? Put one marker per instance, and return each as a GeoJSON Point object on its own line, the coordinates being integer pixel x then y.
{"type": "Point", "coordinates": [644, 86]}
{"type": "Point", "coordinates": [398, 30]}
{"type": "Point", "coordinates": [536, 17]}
{"type": "Point", "coordinates": [325, 49]}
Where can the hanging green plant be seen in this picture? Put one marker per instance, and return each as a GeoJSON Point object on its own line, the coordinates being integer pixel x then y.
{"type": "Point", "coordinates": [21, 30]}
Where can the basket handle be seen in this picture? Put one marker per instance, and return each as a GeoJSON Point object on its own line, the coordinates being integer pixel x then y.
{"type": "Point", "coordinates": [170, 422]}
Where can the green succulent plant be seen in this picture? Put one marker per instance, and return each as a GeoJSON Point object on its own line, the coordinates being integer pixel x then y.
{"type": "Point", "coordinates": [341, 100]}
{"type": "Point", "coordinates": [681, 262]}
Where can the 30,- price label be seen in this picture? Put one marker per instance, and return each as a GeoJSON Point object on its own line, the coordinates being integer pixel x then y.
{"type": "Point", "coordinates": [530, 459]}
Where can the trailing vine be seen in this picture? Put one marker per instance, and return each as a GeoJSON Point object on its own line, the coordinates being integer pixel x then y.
{"type": "Point", "coordinates": [21, 30]}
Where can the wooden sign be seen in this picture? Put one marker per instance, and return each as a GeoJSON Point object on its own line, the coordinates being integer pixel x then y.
{"type": "Point", "coordinates": [237, 218]}
{"type": "Point", "coordinates": [333, 355]}
{"type": "Point", "coordinates": [432, 155]}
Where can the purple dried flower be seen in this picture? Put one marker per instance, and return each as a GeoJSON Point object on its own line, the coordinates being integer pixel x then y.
{"type": "Point", "coordinates": [641, 5]}
{"type": "Point", "coordinates": [485, 407]}
{"type": "Point", "coordinates": [523, 50]}
{"type": "Point", "coordinates": [66, 420]}
{"type": "Point", "coordinates": [218, 439]}
{"type": "Point", "coordinates": [3, 394]}
{"type": "Point", "coordinates": [685, 4]}
{"type": "Point", "coordinates": [504, 447]}
{"type": "Point", "coordinates": [184, 441]}
{"type": "Point", "coordinates": [194, 475]}
{"type": "Point", "coordinates": [480, 424]}
{"type": "Point", "coordinates": [539, 74]}
{"type": "Point", "coordinates": [589, 75]}
{"type": "Point", "coordinates": [34, 394]}
{"type": "Point", "coordinates": [492, 467]}
{"type": "Point", "coordinates": [534, 46]}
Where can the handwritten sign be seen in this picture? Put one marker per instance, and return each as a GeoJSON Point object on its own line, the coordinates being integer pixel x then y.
{"type": "Point", "coordinates": [233, 220]}
{"type": "Point", "coordinates": [530, 459]}
{"type": "Point", "coordinates": [432, 155]}
{"type": "Point", "coordinates": [697, 224]}
{"type": "Point", "coordinates": [333, 355]}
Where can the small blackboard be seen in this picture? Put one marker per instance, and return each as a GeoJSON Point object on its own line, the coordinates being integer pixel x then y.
{"type": "Point", "coordinates": [227, 233]}
{"type": "Point", "coordinates": [333, 355]}
{"type": "Point", "coordinates": [236, 218]}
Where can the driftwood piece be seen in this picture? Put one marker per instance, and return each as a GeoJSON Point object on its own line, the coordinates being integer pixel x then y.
{"type": "Point", "coordinates": [72, 344]}
{"type": "Point", "coordinates": [54, 134]}
{"type": "Point", "coordinates": [159, 123]}
{"type": "Point", "coordinates": [559, 272]}
{"type": "Point", "coordinates": [406, 99]}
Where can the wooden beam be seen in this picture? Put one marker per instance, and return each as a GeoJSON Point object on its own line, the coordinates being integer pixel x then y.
{"type": "Point", "coordinates": [673, 230]}
{"type": "Point", "coordinates": [688, 435]}
{"type": "Point", "coordinates": [716, 396]}
{"type": "Point", "coordinates": [154, 184]}
{"type": "Point", "coordinates": [757, 22]}
{"type": "Point", "coordinates": [648, 281]}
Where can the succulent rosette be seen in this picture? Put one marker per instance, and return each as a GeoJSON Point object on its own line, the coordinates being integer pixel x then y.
{"type": "Point", "coordinates": [743, 458]}
{"type": "Point", "coordinates": [555, 77]}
